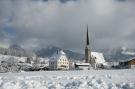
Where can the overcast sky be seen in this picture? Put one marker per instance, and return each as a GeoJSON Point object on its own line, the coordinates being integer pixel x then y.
{"type": "Point", "coordinates": [38, 23]}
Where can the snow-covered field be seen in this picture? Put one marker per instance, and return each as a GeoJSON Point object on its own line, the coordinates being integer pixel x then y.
{"type": "Point", "coordinates": [93, 79]}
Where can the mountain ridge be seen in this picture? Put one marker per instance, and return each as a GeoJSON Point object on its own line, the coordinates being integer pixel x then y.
{"type": "Point", "coordinates": [50, 50]}
{"type": "Point", "coordinates": [117, 54]}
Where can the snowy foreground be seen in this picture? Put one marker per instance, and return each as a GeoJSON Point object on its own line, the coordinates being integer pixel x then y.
{"type": "Point", "coordinates": [93, 79]}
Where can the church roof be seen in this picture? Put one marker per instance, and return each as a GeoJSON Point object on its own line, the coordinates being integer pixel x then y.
{"type": "Point", "coordinates": [99, 58]}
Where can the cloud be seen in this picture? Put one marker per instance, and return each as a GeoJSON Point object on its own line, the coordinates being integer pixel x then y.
{"type": "Point", "coordinates": [36, 23]}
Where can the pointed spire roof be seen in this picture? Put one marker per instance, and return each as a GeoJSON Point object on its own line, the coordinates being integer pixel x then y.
{"type": "Point", "coordinates": [87, 38]}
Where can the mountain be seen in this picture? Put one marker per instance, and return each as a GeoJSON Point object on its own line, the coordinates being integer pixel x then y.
{"type": "Point", "coordinates": [16, 50]}
{"type": "Point", "coordinates": [64, 1]}
{"type": "Point", "coordinates": [117, 54]}
{"type": "Point", "coordinates": [16, 47]}
{"type": "Point", "coordinates": [120, 53]}
{"type": "Point", "coordinates": [50, 50]}
{"type": "Point", "coordinates": [74, 55]}
{"type": "Point", "coordinates": [127, 51]}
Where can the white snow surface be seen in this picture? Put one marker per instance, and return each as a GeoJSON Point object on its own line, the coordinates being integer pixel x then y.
{"type": "Point", "coordinates": [90, 79]}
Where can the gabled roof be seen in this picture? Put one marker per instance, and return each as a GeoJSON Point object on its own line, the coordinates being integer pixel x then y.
{"type": "Point", "coordinates": [99, 58]}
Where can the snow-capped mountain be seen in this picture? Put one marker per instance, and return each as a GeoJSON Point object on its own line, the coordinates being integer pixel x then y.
{"type": "Point", "coordinates": [16, 50]}
{"type": "Point", "coordinates": [127, 51]}
{"type": "Point", "coordinates": [50, 50]}
{"type": "Point", "coordinates": [117, 54]}
{"type": "Point", "coordinates": [121, 53]}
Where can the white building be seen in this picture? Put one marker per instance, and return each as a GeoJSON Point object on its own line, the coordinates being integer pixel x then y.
{"type": "Point", "coordinates": [95, 59]}
{"type": "Point", "coordinates": [59, 61]}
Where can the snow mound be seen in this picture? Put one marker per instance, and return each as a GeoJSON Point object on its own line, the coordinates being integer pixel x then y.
{"type": "Point", "coordinates": [107, 79]}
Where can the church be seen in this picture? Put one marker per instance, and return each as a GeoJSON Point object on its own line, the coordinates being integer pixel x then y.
{"type": "Point", "coordinates": [93, 60]}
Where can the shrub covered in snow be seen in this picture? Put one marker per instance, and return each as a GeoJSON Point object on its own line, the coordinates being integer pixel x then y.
{"type": "Point", "coordinates": [15, 64]}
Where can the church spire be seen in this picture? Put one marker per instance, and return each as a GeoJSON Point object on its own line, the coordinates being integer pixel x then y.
{"type": "Point", "coordinates": [87, 38]}
{"type": "Point", "coordinates": [87, 49]}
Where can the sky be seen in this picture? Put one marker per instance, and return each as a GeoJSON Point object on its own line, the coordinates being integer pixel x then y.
{"type": "Point", "coordinates": [63, 23]}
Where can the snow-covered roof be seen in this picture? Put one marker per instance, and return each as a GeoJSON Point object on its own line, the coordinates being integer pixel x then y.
{"type": "Point", "coordinates": [83, 64]}
{"type": "Point", "coordinates": [58, 55]}
{"type": "Point", "coordinates": [99, 58]}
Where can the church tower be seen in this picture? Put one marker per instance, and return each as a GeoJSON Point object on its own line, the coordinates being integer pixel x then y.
{"type": "Point", "coordinates": [87, 49]}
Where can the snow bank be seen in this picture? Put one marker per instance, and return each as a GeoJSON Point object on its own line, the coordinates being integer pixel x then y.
{"type": "Point", "coordinates": [102, 79]}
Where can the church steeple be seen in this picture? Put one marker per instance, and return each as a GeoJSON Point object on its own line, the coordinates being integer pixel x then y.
{"type": "Point", "coordinates": [87, 38]}
{"type": "Point", "coordinates": [87, 49]}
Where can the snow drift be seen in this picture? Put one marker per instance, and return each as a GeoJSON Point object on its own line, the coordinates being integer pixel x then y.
{"type": "Point", "coordinates": [94, 79]}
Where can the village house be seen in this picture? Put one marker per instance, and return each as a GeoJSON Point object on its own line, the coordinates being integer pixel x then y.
{"type": "Point", "coordinates": [59, 61]}
{"type": "Point", "coordinates": [127, 63]}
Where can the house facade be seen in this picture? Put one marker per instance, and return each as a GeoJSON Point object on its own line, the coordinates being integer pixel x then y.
{"type": "Point", "coordinates": [59, 61]}
{"type": "Point", "coordinates": [128, 63]}
{"type": "Point", "coordinates": [131, 63]}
